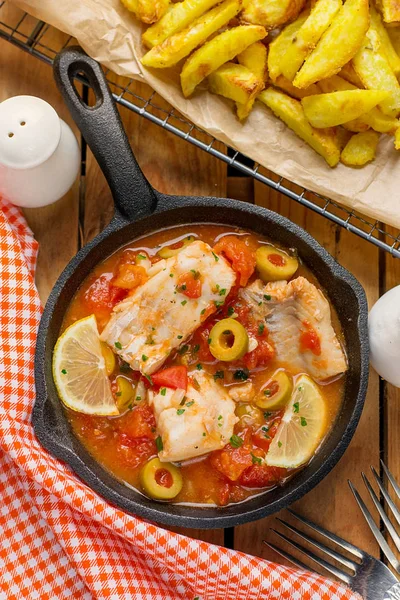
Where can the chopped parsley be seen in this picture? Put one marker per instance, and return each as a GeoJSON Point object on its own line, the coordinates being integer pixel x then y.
{"type": "Point", "coordinates": [203, 311]}
{"type": "Point", "coordinates": [196, 274]}
{"type": "Point", "coordinates": [236, 441]}
{"type": "Point", "coordinates": [222, 292]}
{"type": "Point", "coordinates": [180, 411]}
{"type": "Point", "coordinates": [130, 406]}
{"type": "Point", "coordinates": [256, 460]}
{"type": "Point", "coordinates": [118, 394]}
{"type": "Point", "coordinates": [64, 371]}
{"type": "Point", "coordinates": [267, 415]}
{"type": "Point", "coordinates": [261, 328]}
{"type": "Point", "coordinates": [218, 375]}
{"type": "Point", "coordinates": [218, 304]}
{"type": "Point", "coordinates": [241, 374]}
{"type": "Point", "coordinates": [179, 337]}
{"type": "Point", "coordinates": [149, 379]}
{"type": "Point", "coordinates": [303, 422]}
{"type": "Point", "coordinates": [171, 274]}
{"type": "Point", "coordinates": [220, 417]}
{"type": "Point", "coordinates": [300, 388]}
{"type": "Point", "coordinates": [209, 341]}
{"type": "Point", "coordinates": [267, 392]}
{"type": "Point", "coordinates": [159, 444]}
{"type": "Point", "coordinates": [190, 403]}
{"type": "Point", "coordinates": [199, 367]}
{"type": "Point", "coordinates": [124, 367]}
{"type": "Point", "coordinates": [138, 398]}
{"type": "Point", "coordinates": [204, 434]}
{"type": "Point", "coordinates": [196, 348]}
{"type": "Point", "coordinates": [216, 258]}
{"type": "Point", "coordinates": [184, 302]}
{"type": "Point", "coordinates": [296, 407]}
{"type": "Point", "coordinates": [231, 310]}
{"type": "Point", "coordinates": [182, 402]}
{"type": "Point", "coordinates": [144, 357]}
{"type": "Point", "coordinates": [163, 391]}
{"type": "Point", "coordinates": [183, 349]}
{"type": "Point", "coordinates": [141, 257]}
{"type": "Point", "coordinates": [279, 444]}
{"type": "Point", "coordinates": [182, 287]}
{"type": "Point", "coordinates": [118, 345]}
{"type": "Point", "coordinates": [267, 297]}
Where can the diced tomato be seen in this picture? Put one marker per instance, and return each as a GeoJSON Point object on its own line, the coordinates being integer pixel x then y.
{"type": "Point", "coordinates": [139, 422]}
{"type": "Point", "coordinates": [260, 355]}
{"type": "Point", "coordinates": [102, 296]}
{"type": "Point", "coordinates": [231, 461]}
{"type": "Point", "coordinates": [190, 284]}
{"type": "Point", "coordinates": [310, 340]}
{"type": "Point", "coordinates": [133, 452]}
{"type": "Point", "coordinates": [129, 277]}
{"type": "Point", "coordinates": [173, 377]}
{"type": "Point", "coordinates": [223, 493]}
{"type": "Point", "coordinates": [200, 339]}
{"type": "Point", "coordinates": [260, 476]}
{"type": "Point", "coordinates": [239, 254]}
{"type": "Point", "coordinates": [264, 436]}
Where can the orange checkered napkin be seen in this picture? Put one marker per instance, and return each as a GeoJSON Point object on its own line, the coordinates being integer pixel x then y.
{"type": "Point", "coordinates": [60, 540]}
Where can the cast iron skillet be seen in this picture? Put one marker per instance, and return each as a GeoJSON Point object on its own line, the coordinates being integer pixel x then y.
{"type": "Point", "coordinates": [139, 210]}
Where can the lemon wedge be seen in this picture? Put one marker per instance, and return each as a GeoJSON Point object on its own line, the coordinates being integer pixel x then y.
{"type": "Point", "coordinates": [302, 427]}
{"type": "Point", "coordinates": [79, 370]}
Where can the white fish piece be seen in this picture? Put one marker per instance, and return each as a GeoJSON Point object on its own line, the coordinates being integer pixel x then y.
{"type": "Point", "coordinates": [199, 423]}
{"type": "Point", "coordinates": [243, 392]}
{"type": "Point", "coordinates": [288, 309]}
{"type": "Point", "coordinates": [157, 317]}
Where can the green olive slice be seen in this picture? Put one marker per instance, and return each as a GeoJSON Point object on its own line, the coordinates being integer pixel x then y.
{"type": "Point", "coordinates": [276, 392]}
{"type": "Point", "coordinates": [274, 265]}
{"type": "Point", "coordinates": [125, 393]}
{"type": "Point", "coordinates": [168, 252]}
{"type": "Point", "coordinates": [161, 481]}
{"type": "Point", "coordinates": [228, 340]}
{"type": "Point", "coordinates": [109, 358]}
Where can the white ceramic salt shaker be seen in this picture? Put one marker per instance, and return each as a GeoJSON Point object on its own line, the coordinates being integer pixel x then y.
{"type": "Point", "coordinates": [384, 336]}
{"type": "Point", "coordinates": [39, 154]}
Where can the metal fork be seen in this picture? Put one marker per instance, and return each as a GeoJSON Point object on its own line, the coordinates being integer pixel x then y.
{"type": "Point", "coordinates": [368, 576]}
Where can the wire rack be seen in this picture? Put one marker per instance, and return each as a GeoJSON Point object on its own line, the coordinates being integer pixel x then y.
{"type": "Point", "coordinates": [44, 42]}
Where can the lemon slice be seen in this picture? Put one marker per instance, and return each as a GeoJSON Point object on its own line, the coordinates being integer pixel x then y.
{"type": "Point", "coordinates": [302, 427]}
{"type": "Point", "coordinates": [79, 370]}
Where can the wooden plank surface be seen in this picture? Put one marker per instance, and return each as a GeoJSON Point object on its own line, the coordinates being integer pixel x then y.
{"type": "Point", "coordinates": [174, 166]}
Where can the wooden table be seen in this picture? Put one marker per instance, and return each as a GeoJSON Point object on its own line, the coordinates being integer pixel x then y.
{"type": "Point", "coordinates": [63, 227]}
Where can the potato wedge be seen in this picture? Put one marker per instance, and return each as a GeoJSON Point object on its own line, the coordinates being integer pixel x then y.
{"type": "Point", "coordinates": [348, 73]}
{"type": "Point", "coordinates": [279, 46]}
{"type": "Point", "coordinates": [374, 71]}
{"type": "Point", "coordinates": [360, 149]}
{"type": "Point", "coordinates": [286, 85]}
{"type": "Point", "coordinates": [178, 17]}
{"type": "Point", "coordinates": [397, 139]}
{"type": "Point", "coordinates": [235, 82]}
{"type": "Point", "coordinates": [308, 36]}
{"type": "Point", "coordinates": [394, 35]}
{"type": "Point", "coordinates": [386, 47]}
{"type": "Point", "coordinates": [272, 13]}
{"type": "Point", "coordinates": [374, 118]}
{"type": "Point", "coordinates": [336, 108]}
{"type": "Point", "coordinates": [255, 58]}
{"type": "Point", "coordinates": [148, 11]}
{"type": "Point", "coordinates": [291, 112]}
{"type": "Point", "coordinates": [390, 10]}
{"type": "Point", "coordinates": [338, 44]}
{"type": "Point", "coordinates": [181, 44]}
{"type": "Point", "coordinates": [216, 52]}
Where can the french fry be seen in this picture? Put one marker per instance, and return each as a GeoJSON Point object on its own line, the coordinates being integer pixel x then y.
{"type": "Point", "coordinates": [148, 11]}
{"type": "Point", "coordinates": [279, 46]}
{"type": "Point", "coordinates": [178, 17]}
{"type": "Point", "coordinates": [235, 82]}
{"type": "Point", "coordinates": [360, 149]}
{"type": "Point", "coordinates": [336, 108]}
{"type": "Point", "coordinates": [221, 49]}
{"type": "Point", "coordinates": [374, 118]}
{"type": "Point", "coordinates": [181, 44]}
{"type": "Point", "coordinates": [290, 111]}
{"type": "Point", "coordinates": [386, 47]}
{"type": "Point", "coordinates": [397, 139]}
{"type": "Point", "coordinates": [390, 10]}
{"type": "Point", "coordinates": [255, 59]}
{"type": "Point", "coordinates": [343, 136]}
{"type": "Point", "coordinates": [309, 34]}
{"type": "Point", "coordinates": [338, 44]}
{"type": "Point", "coordinates": [374, 71]}
{"type": "Point", "coordinates": [348, 73]}
{"type": "Point", "coordinates": [394, 34]}
{"type": "Point", "coordinates": [286, 85]}
{"type": "Point", "coordinates": [272, 13]}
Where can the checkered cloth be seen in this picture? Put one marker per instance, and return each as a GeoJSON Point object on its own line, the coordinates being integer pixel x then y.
{"type": "Point", "coordinates": [58, 539]}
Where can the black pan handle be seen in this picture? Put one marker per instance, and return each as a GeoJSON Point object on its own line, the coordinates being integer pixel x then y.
{"type": "Point", "coordinates": [103, 131]}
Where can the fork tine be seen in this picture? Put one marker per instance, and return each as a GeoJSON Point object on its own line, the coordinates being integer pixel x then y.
{"type": "Point", "coordinates": [379, 508]}
{"type": "Point", "coordinates": [288, 556]}
{"type": "Point", "coordinates": [388, 499]}
{"type": "Point", "coordinates": [332, 553]}
{"type": "Point", "coordinates": [377, 534]}
{"type": "Point", "coordinates": [320, 561]}
{"type": "Point", "coordinates": [392, 480]}
{"type": "Point", "coordinates": [356, 552]}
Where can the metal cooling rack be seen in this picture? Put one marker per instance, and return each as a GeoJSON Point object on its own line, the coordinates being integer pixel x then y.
{"type": "Point", "coordinates": [44, 42]}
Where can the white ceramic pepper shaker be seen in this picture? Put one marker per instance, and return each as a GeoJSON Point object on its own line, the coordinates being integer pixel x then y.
{"type": "Point", "coordinates": [39, 154]}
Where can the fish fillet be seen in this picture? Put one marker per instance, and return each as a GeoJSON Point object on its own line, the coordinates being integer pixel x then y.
{"type": "Point", "coordinates": [196, 422]}
{"type": "Point", "coordinates": [157, 318]}
{"type": "Point", "coordinates": [289, 309]}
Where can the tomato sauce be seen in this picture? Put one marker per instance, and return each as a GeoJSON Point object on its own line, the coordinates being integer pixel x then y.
{"type": "Point", "coordinates": [123, 444]}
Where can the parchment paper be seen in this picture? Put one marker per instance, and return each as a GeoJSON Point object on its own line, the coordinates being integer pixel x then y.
{"type": "Point", "coordinates": [112, 35]}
